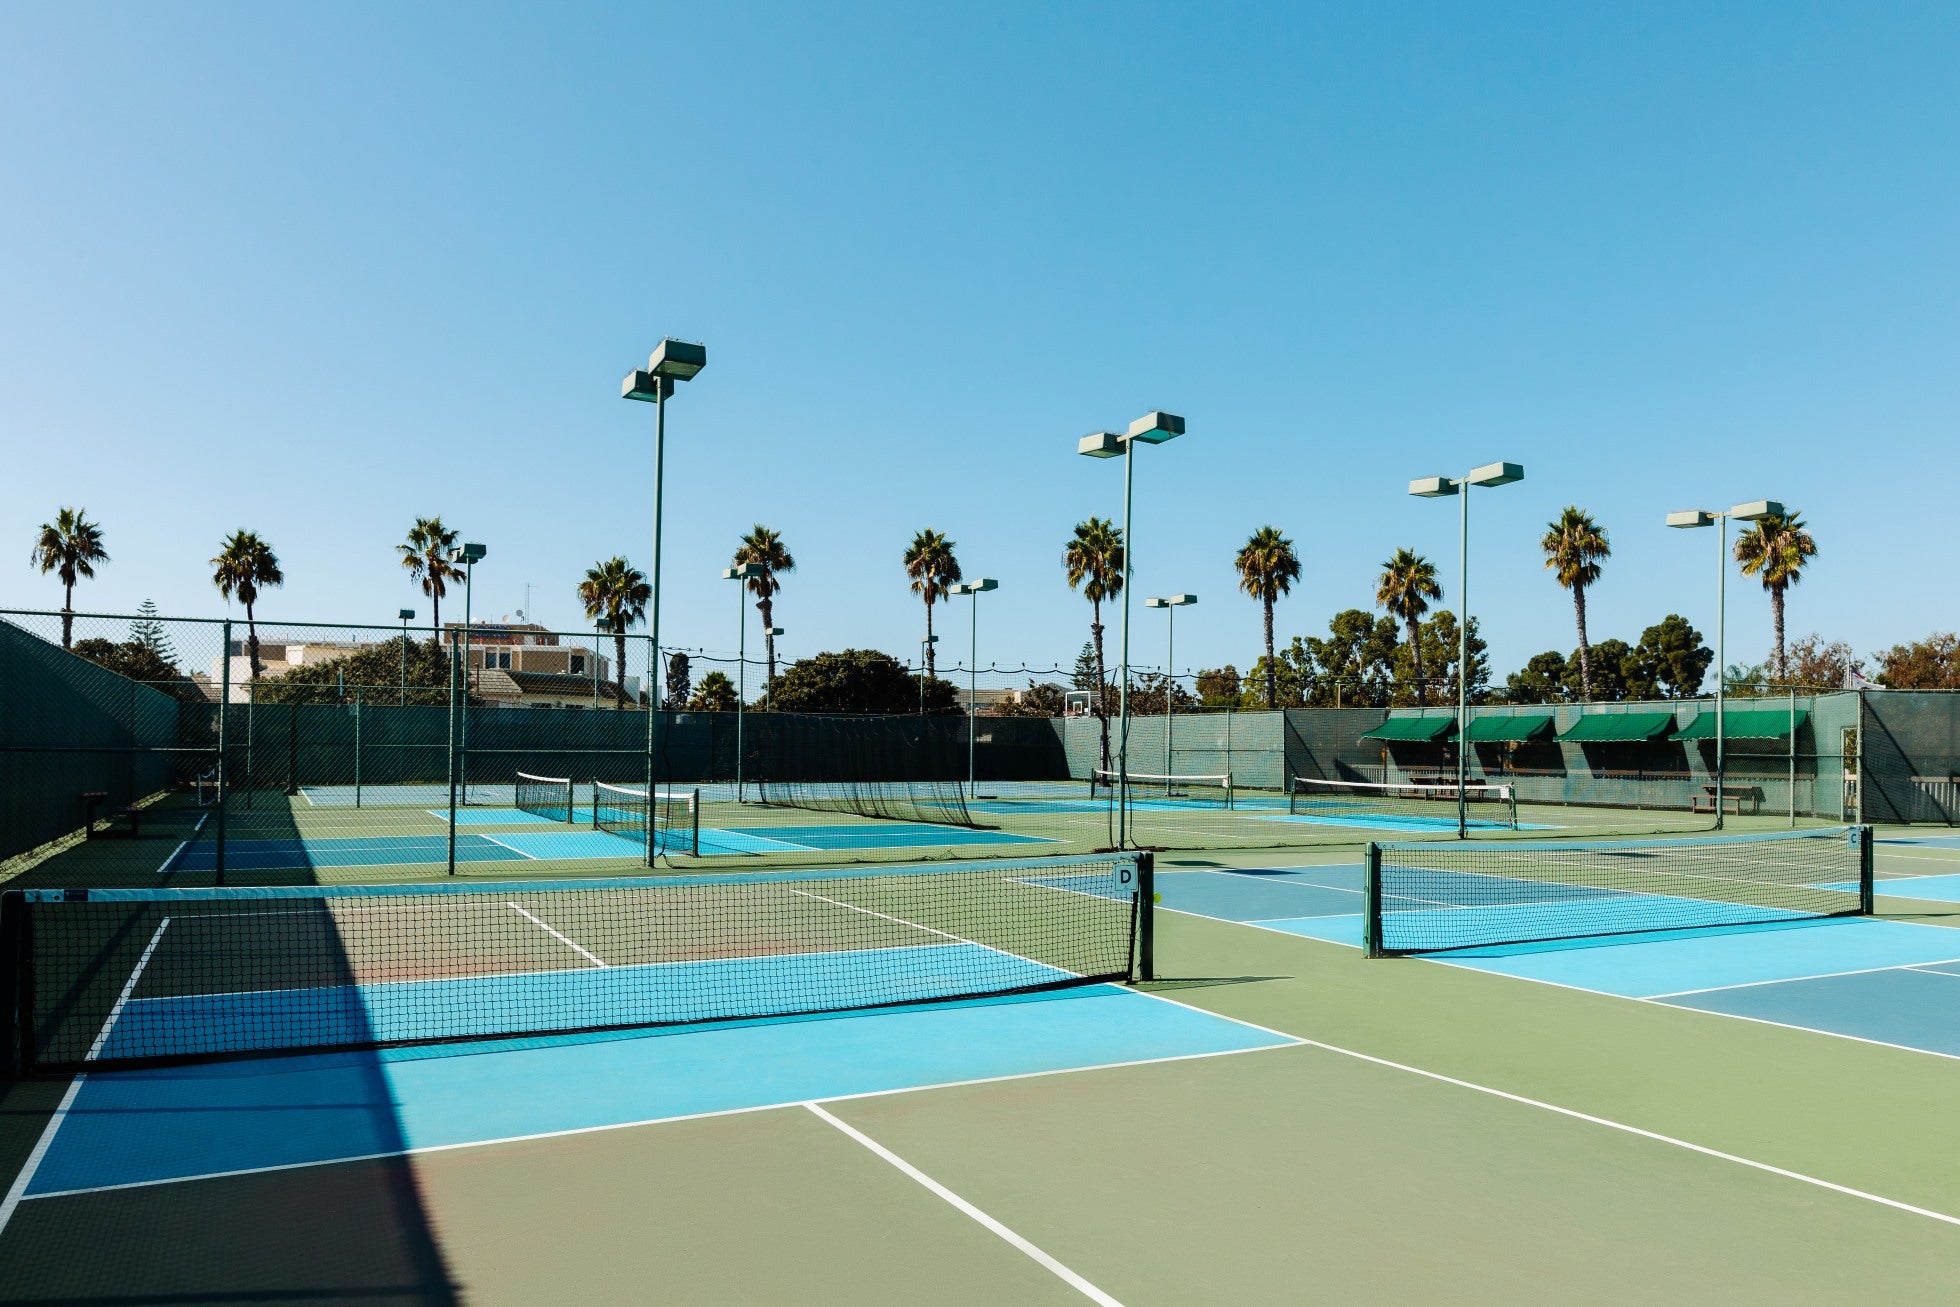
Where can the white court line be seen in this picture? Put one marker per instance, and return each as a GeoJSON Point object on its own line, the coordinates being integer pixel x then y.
{"type": "Point", "coordinates": [1785, 980]}
{"type": "Point", "coordinates": [558, 935]}
{"type": "Point", "coordinates": [17, 1191]}
{"type": "Point", "coordinates": [513, 848]}
{"type": "Point", "coordinates": [1047, 1261]}
{"type": "Point", "coordinates": [178, 852]}
{"type": "Point", "coordinates": [666, 1120]}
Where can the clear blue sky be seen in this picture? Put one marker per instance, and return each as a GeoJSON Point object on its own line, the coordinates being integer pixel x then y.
{"type": "Point", "coordinates": [315, 270]}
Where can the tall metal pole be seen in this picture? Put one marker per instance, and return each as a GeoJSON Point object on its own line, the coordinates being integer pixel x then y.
{"type": "Point", "coordinates": [463, 709]}
{"type": "Point", "coordinates": [1721, 653]}
{"type": "Point", "coordinates": [1793, 755]}
{"type": "Point", "coordinates": [224, 754]}
{"type": "Point", "coordinates": [665, 387]}
{"type": "Point", "coordinates": [1170, 687]}
{"type": "Point", "coordinates": [972, 695]}
{"type": "Point", "coordinates": [404, 699]}
{"type": "Point", "coordinates": [1123, 687]}
{"type": "Point", "coordinates": [741, 673]}
{"type": "Point", "coordinates": [1463, 660]}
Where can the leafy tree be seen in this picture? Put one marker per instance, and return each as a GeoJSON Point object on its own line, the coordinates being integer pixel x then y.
{"type": "Point", "coordinates": [417, 670]}
{"type": "Point", "coordinates": [930, 564]}
{"type": "Point", "coordinates": [617, 591]}
{"type": "Point", "coordinates": [1438, 637]}
{"type": "Point", "coordinates": [1356, 661]}
{"type": "Point", "coordinates": [764, 548]}
{"type": "Point", "coordinates": [679, 682]}
{"type": "Point", "coordinates": [1610, 662]}
{"type": "Point", "coordinates": [1268, 567]}
{"type": "Point", "coordinates": [70, 547]}
{"type": "Point", "coordinates": [1085, 676]}
{"type": "Point", "coordinates": [1093, 561]}
{"type": "Point", "coordinates": [1669, 661]}
{"type": "Point", "coordinates": [1745, 680]}
{"type": "Point", "coordinates": [1154, 690]}
{"type": "Point", "coordinates": [1289, 678]}
{"type": "Point", "coordinates": [1817, 662]}
{"type": "Point", "coordinates": [1776, 549]}
{"type": "Point", "coordinates": [1574, 546]}
{"type": "Point", "coordinates": [1405, 587]}
{"type": "Point", "coordinates": [716, 693]}
{"type": "Point", "coordinates": [1043, 699]}
{"type": "Point", "coordinates": [425, 553]}
{"type": "Point", "coordinates": [1542, 680]}
{"type": "Point", "coordinates": [1929, 664]}
{"type": "Point", "coordinates": [244, 566]}
{"type": "Point", "coordinates": [857, 680]}
{"type": "Point", "coordinates": [1218, 687]}
{"type": "Point", "coordinates": [141, 662]}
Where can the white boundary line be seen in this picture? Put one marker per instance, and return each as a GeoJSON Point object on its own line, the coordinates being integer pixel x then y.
{"type": "Point", "coordinates": [513, 848]}
{"type": "Point", "coordinates": [163, 869]}
{"type": "Point", "coordinates": [1293, 1042]}
{"type": "Point", "coordinates": [17, 1192]}
{"type": "Point", "coordinates": [558, 935]}
{"type": "Point", "coordinates": [1786, 980]}
{"type": "Point", "coordinates": [1048, 1262]}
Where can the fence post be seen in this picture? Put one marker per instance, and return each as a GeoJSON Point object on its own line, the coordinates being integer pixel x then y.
{"type": "Point", "coordinates": [224, 753]}
{"type": "Point", "coordinates": [357, 748]}
{"type": "Point", "coordinates": [454, 672]}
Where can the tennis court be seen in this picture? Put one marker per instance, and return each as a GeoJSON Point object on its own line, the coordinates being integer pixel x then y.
{"type": "Point", "coordinates": [1273, 1117]}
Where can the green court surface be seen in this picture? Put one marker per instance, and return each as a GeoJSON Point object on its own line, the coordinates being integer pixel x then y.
{"type": "Point", "coordinates": [1424, 1132]}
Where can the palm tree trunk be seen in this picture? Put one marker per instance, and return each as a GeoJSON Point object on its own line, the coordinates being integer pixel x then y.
{"type": "Point", "coordinates": [1272, 685]}
{"type": "Point", "coordinates": [768, 608]}
{"type": "Point", "coordinates": [930, 663]}
{"type": "Point", "coordinates": [68, 616]}
{"type": "Point", "coordinates": [1102, 679]}
{"type": "Point", "coordinates": [435, 619]}
{"type": "Point", "coordinates": [252, 639]}
{"type": "Point", "coordinates": [1776, 619]}
{"type": "Point", "coordinates": [1585, 647]}
{"type": "Point", "coordinates": [619, 663]}
{"type": "Point", "coordinates": [1415, 655]}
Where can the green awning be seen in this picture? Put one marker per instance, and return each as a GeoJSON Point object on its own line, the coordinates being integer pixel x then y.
{"type": "Point", "coordinates": [1522, 726]}
{"type": "Point", "coordinates": [1618, 726]}
{"type": "Point", "coordinates": [1742, 724]}
{"type": "Point", "coordinates": [1412, 728]}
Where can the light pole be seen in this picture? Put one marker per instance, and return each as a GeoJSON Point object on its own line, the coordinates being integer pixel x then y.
{"type": "Point", "coordinates": [600, 626]}
{"type": "Point", "coordinates": [406, 615]}
{"type": "Point", "coordinates": [672, 361]}
{"type": "Point", "coordinates": [1152, 429]}
{"type": "Point", "coordinates": [769, 690]}
{"type": "Point", "coordinates": [740, 576]}
{"type": "Point", "coordinates": [469, 555]}
{"type": "Point", "coordinates": [924, 642]}
{"type": "Point", "coordinates": [976, 589]}
{"type": "Point", "coordinates": [1695, 517]}
{"type": "Point", "coordinates": [1170, 607]}
{"type": "Point", "coordinates": [1490, 474]}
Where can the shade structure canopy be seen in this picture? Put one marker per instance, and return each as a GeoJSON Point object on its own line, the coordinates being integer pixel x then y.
{"type": "Point", "coordinates": [1412, 728]}
{"type": "Point", "coordinates": [1618, 726]}
{"type": "Point", "coordinates": [1519, 726]}
{"type": "Point", "coordinates": [1742, 724]}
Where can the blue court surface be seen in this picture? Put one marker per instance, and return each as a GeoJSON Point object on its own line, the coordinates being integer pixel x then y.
{"type": "Point", "coordinates": [152, 1126]}
{"type": "Point", "coordinates": [1887, 981]}
{"type": "Point", "coordinates": [1936, 889]}
{"type": "Point", "coordinates": [557, 841]}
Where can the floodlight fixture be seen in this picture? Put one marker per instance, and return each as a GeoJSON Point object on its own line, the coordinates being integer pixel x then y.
{"type": "Point", "coordinates": [1155, 428]}
{"type": "Point", "coordinates": [1691, 517]}
{"type": "Point", "coordinates": [405, 615]}
{"type": "Point", "coordinates": [1432, 487]}
{"type": "Point", "coordinates": [1756, 510]}
{"type": "Point", "coordinates": [741, 571]}
{"type": "Point", "coordinates": [1100, 444]}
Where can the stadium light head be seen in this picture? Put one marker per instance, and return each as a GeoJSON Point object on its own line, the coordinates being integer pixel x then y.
{"type": "Point", "coordinates": [773, 630]}
{"type": "Point", "coordinates": [1432, 487]}
{"type": "Point", "coordinates": [1495, 474]}
{"type": "Point", "coordinates": [741, 572]}
{"type": "Point", "coordinates": [1155, 428]}
{"type": "Point", "coordinates": [406, 615]}
{"type": "Point", "coordinates": [1756, 510]}
{"type": "Point", "coordinates": [677, 360]}
{"type": "Point", "coordinates": [601, 624]}
{"type": "Point", "coordinates": [1691, 517]}
{"type": "Point", "coordinates": [980, 587]}
{"type": "Point", "coordinates": [930, 639]}
{"type": "Point", "coordinates": [467, 553]}
{"type": "Point", "coordinates": [1100, 444]}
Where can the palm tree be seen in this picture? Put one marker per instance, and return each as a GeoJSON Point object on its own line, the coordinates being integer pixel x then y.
{"type": "Point", "coordinates": [70, 546]}
{"type": "Point", "coordinates": [1776, 548]}
{"type": "Point", "coordinates": [765, 548]}
{"type": "Point", "coordinates": [426, 556]}
{"type": "Point", "coordinates": [617, 591]}
{"type": "Point", "coordinates": [1574, 544]}
{"type": "Point", "coordinates": [1406, 585]}
{"type": "Point", "coordinates": [246, 565]}
{"type": "Point", "coordinates": [1268, 567]}
{"type": "Point", "coordinates": [1093, 559]}
{"type": "Point", "coordinates": [930, 563]}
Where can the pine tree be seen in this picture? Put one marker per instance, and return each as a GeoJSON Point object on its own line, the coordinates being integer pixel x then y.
{"type": "Point", "coordinates": [147, 630]}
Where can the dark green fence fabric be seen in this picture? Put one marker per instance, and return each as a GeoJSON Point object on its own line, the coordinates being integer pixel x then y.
{"type": "Point", "coordinates": [1910, 741]}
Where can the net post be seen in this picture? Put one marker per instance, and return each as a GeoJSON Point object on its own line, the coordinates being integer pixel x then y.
{"type": "Point", "coordinates": [694, 822]}
{"type": "Point", "coordinates": [1511, 804]}
{"type": "Point", "coordinates": [16, 986]}
{"type": "Point", "coordinates": [1146, 916]}
{"type": "Point", "coordinates": [1867, 887]}
{"type": "Point", "coordinates": [1371, 903]}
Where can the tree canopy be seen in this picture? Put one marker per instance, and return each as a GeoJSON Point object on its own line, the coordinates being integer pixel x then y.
{"type": "Point", "coordinates": [856, 680]}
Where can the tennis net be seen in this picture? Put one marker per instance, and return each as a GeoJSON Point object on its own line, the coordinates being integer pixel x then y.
{"type": "Point", "coordinates": [941, 802]}
{"type": "Point", "coordinates": [116, 977]}
{"type": "Point", "coordinates": [545, 796]}
{"type": "Point", "coordinates": [622, 810]}
{"type": "Point", "coordinates": [1418, 806]}
{"type": "Point", "coordinates": [1433, 897]}
{"type": "Point", "coordinates": [1208, 791]}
